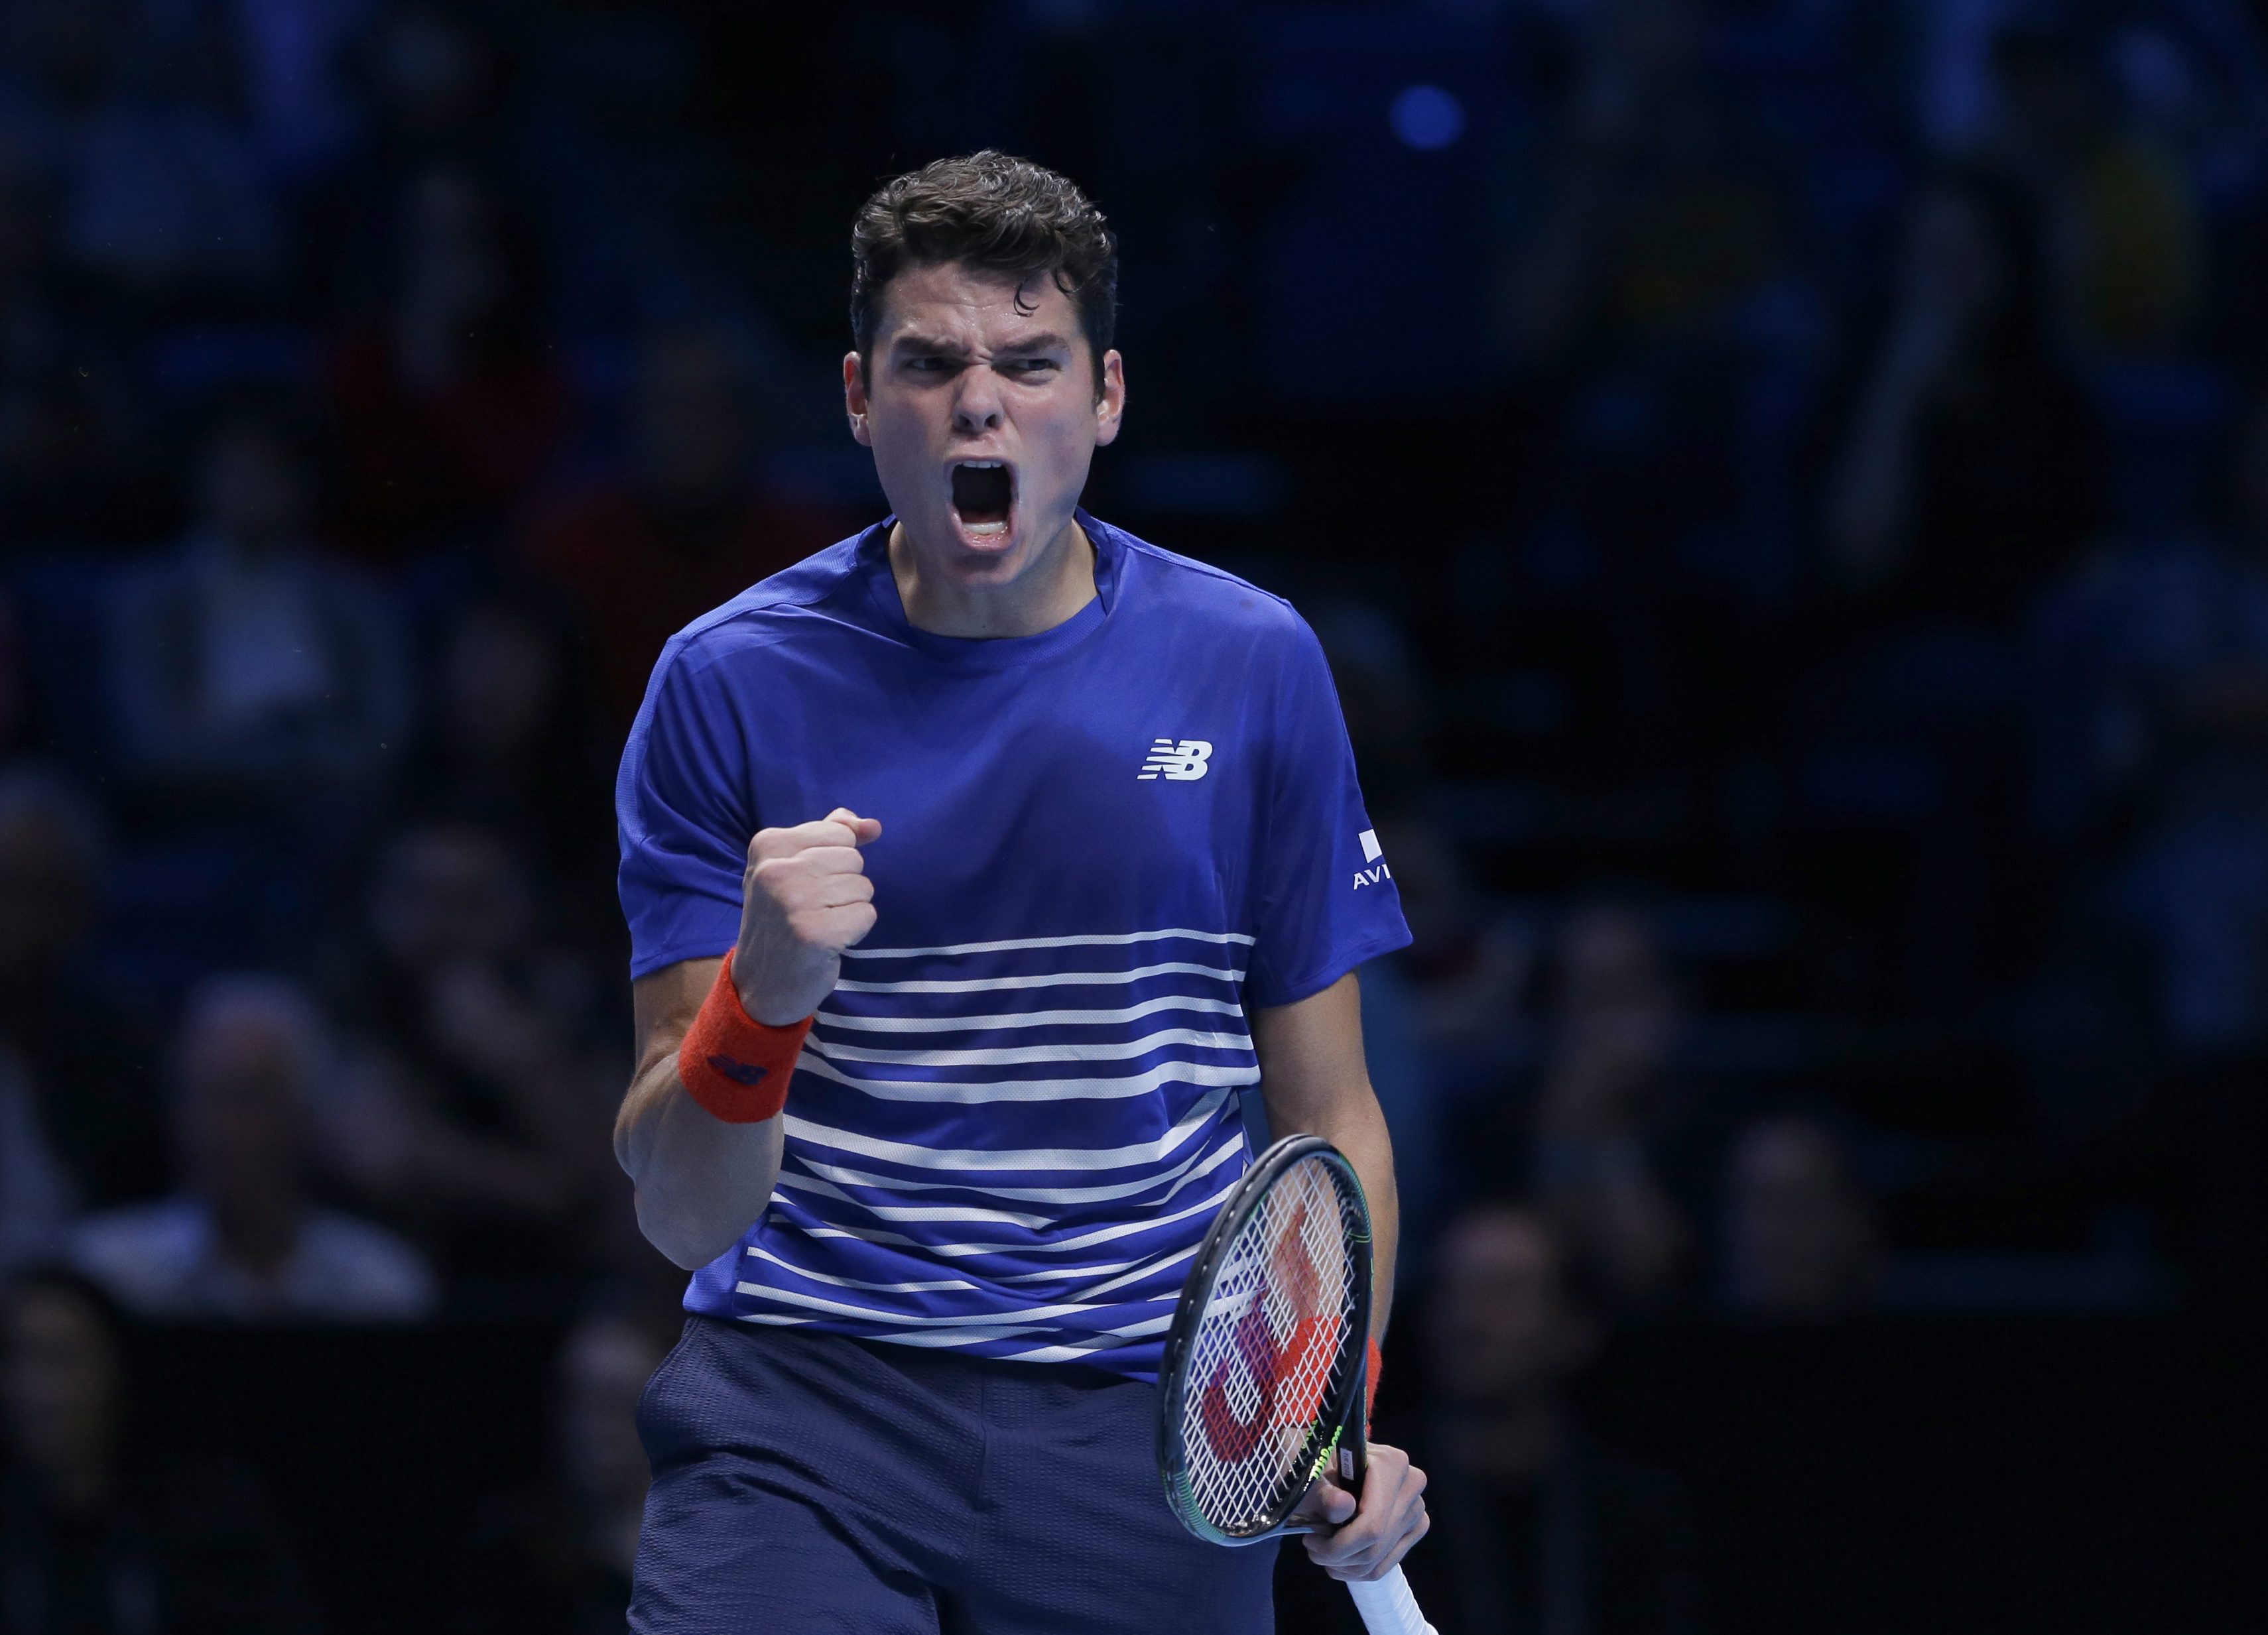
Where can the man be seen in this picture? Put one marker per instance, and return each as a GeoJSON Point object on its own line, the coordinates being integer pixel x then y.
{"type": "Point", "coordinates": [1544, 1529]}
{"type": "Point", "coordinates": [686, 527]}
{"type": "Point", "coordinates": [243, 1240]}
{"type": "Point", "coordinates": [1011, 826]}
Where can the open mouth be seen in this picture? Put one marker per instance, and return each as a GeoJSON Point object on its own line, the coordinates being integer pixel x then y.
{"type": "Point", "coordinates": [983, 494]}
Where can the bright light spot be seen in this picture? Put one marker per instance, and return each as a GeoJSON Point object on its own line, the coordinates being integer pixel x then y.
{"type": "Point", "coordinates": [1427, 117]}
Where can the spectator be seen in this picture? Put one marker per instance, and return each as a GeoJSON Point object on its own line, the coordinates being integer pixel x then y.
{"type": "Point", "coordinates": [2149, 683]}
{"type": "Point", "coordinates": [1655, 224]}
{"type": "Point", "coordinates": [1536, 1527]}
{"type": "Point", "coordinates": [1969, 468]}
{"type": "Point", "coordinates": [102, 1533]}
{"type": "Point", "coordinates": [688, 526]}
{"type": "Point", "coordinates": [79, 1118]}
{"type": "Point", "coordinates": [1605, 1094]}
{"type": "Point", "coordinates": [1800, 1239]}
{"type": "Point", "coordinates": [449, 405]}
{"type": "Point", "coordinates": [2129, 267]}
{"type": "Point", "coordinates": [555, 1559]}
{"type": "Point", "coordinates": [249, 663]}
{"type": "Point", "coordinates": [71, 428]}
{"type": "Point", "coordinates": [166, 198]}
{"type": "Point", "coordinates": [485, 1124]}
{"type": "Point", "coordinates": [243, 1240]}
{"type": "Point", "coordinates": [509, 742]}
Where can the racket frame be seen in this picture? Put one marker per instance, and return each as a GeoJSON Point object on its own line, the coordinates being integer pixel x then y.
{"type": "Point", "coordinates": [1344, 1453]}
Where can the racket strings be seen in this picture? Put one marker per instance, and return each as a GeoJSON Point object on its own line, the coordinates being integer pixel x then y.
{"type": "Point", "coordinates": [1270, 1349]}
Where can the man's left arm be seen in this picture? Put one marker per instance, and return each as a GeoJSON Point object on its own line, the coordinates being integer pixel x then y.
{"type": "Point", "coordinates": [1313, 1081]}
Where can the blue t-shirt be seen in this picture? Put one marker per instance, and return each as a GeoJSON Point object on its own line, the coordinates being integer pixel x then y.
{"type": "Point", "coordinates": [1018, 1112]}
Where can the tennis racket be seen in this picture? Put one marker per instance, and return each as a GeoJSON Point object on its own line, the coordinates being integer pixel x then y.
{"type": "Point", "coordinates": [1263, 1387]}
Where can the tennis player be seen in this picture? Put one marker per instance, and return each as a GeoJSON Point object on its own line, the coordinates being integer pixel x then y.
{"type": "Point", "coordinates": [973, 867]}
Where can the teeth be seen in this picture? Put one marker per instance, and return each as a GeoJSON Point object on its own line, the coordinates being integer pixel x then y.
{"type": "Point", "coordinates": [984, 465]}
{"type": "Point", "coordinates": [985, 530]}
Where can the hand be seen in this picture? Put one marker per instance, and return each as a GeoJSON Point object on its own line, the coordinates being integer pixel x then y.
{"type": "Point", "coordinates": [1367, 1539]}
{"type": "Point", "coordinates": [805, 899]}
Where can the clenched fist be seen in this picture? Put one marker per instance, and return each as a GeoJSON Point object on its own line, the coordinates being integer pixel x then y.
{"type": "Point", "coordinates": [805, 899]}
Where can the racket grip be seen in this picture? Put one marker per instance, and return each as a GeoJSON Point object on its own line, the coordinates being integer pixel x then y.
{"type": "Point", "coordinates": [1387, 1606]}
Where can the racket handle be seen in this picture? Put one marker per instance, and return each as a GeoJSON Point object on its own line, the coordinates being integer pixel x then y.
{"type": "Point", "coordinates": [1387, 1606]}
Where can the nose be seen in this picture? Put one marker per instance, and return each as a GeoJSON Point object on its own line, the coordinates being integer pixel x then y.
{"type": "Point", "coordinates": [976, 406]}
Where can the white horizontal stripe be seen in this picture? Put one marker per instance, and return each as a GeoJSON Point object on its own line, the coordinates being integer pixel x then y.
{"type": "Point", "coordinates": [1056, 1274]}
{"type": "Point", "coordinates": [1100, 1050]}
{"type": "Point", "coordinates": [1145, 1269]}
{"type": "Point", "coordinates": [861, 1283]}
{"type": "Point", "coordinates": [991, 1319]}
{"type": "Point", "coordinates": [1074, 1351]}
{"type": "Point", "coordinates": [1118, 940]}
{"type": "Point", "coordinates": [1195, 1167]}
{"type": "Point", "coordinates": [973, 1213]}
{"type": "Point", "coordinates": [1027, 1018]}
{"type": "Point", "coordinates": [1213, 1075]}
{"type": "Point", "coordinates": [1086, 1240]}
{"type": "Point", "coordinates": [959, 1339]}
{"type": "Point", "coordinates": [1044, 979]}
{"type": "Point", "coordinates": [1009, 1159]}
{"type": "Point", "coordinates": [945, 1337]}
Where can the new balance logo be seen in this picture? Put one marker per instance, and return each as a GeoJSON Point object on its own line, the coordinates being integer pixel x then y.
{"type": "Point", "coordinates": [1179, 762]}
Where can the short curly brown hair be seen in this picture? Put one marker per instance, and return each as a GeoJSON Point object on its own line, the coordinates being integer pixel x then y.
{"type": "Point", "coordinates": [992, 211]}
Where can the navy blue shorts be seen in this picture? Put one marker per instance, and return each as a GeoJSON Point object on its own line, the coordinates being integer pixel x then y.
{"type": "Point", "coordinates": [806, 1482]}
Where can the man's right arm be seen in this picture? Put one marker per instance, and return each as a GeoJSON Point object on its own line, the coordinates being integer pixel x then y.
{"type": "Point", "coordinates": [701, 1182]}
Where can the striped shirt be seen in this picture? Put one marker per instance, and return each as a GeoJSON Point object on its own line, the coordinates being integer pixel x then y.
{"type": "Point", "coordinates": [1018, 1112]}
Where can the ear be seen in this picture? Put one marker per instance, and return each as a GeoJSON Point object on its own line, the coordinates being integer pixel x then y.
{"type": "Point", "coordinates": [855, 403]}
{"type": "Point", "coordinates": [1110, 401]}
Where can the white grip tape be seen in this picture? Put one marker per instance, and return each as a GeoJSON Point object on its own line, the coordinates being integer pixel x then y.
{"type": "Point", "coordinates": [1387, 1606]}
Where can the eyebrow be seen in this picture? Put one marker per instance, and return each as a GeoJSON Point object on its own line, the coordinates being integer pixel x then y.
{"type": "Point", "coordinates": [1047, 341]}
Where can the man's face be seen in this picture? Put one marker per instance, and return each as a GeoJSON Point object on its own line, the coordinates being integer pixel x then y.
{"type": "Point", "coordinates": [983, 412]}
{"type": "Point", "coordinates": [242, 1127]}
{"type": "Point", "coordinates": [1500, 1329]}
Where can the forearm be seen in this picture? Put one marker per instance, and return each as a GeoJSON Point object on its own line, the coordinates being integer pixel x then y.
{"type": "Point", "coordinates": [1356, 1127]}
{"type": "Point", "coordinates": [701, 1182]}
{"type": "Point", "coordinates": [1313, 1081]}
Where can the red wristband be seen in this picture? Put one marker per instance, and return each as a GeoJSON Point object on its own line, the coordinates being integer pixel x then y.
{"type": "Point", "coordinates": [733, 1066]}
{"type": "Point", "coordinates": [1370, 1377]}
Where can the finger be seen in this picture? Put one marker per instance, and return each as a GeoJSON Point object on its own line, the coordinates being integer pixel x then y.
{"type": "Point", "coordinates": [1390, 1499]}
{"type": "Point", "coordinates": [835, 929]}
{"type": "Point", "coordinates": [867, 829]}
{"type": "Point", "coordinates": [860, 918]}
{"type": "Point", "coordinates": [1388, 1558]}
{"type": "Point", "coordinates": [837, 891]}
{"type": "Point", "coordinates": [786, 874]}
{"type": "Point", "coordinates": [1381, 1536]}
{"type": "Point", "coordinates": [1326, 1501]}
{"type": "Point", "coordinates": [1377, 1565]}
{"type": "Point", "coordinates": [787, 843]}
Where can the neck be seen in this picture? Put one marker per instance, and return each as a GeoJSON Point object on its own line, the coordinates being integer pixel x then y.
{"type": "Point", "coordinates": [1506, 1444]}
{"type": "Point", "coordinates": [1058, 583]}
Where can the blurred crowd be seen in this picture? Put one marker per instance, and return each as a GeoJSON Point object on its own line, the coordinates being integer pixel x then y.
{"type": "Point", "coordinates": [1783, 485]}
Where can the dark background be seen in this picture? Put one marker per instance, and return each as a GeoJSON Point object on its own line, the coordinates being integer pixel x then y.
{"type": "Point", "coordinates": [1784, 486]}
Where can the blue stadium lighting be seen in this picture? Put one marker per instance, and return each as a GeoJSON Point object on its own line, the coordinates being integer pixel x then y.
{"type": "Point", "coordinates": [1427, 117]}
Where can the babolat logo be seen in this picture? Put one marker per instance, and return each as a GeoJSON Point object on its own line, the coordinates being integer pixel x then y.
{"type": "Point", "coordinates": [1179, 762]}
{"type": "Point", "coordinates": [1374, 861]}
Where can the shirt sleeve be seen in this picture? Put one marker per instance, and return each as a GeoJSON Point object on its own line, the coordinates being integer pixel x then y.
{"type": "Point", "coordinates": [685, 812]}
{"type": "Point", "coordinates": [1326, 898]}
